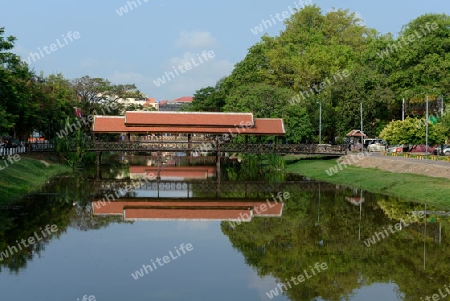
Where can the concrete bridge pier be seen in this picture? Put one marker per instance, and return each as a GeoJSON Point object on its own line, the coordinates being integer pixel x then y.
{"type": "Point", "coordinates": [218, 171]}
{"type": "Point", "coordinates": [99, 175]}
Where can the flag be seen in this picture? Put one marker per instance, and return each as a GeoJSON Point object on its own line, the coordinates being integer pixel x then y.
{"type": "Point", "coordinates": [77, 112]}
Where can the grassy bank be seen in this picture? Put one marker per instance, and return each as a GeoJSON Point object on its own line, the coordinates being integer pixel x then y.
{"type": "Point", "coordinates": [435, 191]}
{"type": "Point", "coordinates": [26, 175]}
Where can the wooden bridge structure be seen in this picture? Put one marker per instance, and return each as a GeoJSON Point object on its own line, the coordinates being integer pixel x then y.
{"type": "Point", "coordinates": [194, 133]}
{"type": "Point", "coordinates": [149, 129]}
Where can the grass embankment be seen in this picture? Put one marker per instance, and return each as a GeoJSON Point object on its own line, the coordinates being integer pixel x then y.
{"type": "Point", "coordinates": [430, 190]}
{"type": "Point", "coordinates": [27, 175]}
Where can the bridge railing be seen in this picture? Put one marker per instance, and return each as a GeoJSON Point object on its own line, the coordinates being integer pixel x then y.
{"type": "Point", "coordinates": [199, 147]}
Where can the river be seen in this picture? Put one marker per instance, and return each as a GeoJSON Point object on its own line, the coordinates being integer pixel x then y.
{"type": "Point", "coordinates": [252, 233]}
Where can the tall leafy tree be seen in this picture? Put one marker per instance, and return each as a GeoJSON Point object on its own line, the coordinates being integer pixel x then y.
{"type": "Point", "coordinates": [410, 131]}
{"type": "Point", "coordinates": [17, 85]}
{"type": "Point", "coordinates": [209, 99]}
{"type": "Point", "coordinates": [96, 94]}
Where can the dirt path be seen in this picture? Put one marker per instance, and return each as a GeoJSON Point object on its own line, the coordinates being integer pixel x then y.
{"type": "Point", "coordinates": [401, 165]}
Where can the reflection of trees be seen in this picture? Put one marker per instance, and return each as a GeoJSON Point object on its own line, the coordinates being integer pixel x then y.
{"type": "Point", "coordinates": [81, 218]}
{"type": "Point", "coordinates": [284, 247]}
{"type": "Point", "coordinates": [53, 205]}
{"type": "Point", "coordinates": [22, 220]}
{"type": "Point", "coordinates": [254, 167]}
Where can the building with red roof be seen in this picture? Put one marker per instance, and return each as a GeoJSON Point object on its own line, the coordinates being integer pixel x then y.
{"type": "Point", "coordinates": [151, 102]}
{"type": "Point", "coordinates": [176, 104]}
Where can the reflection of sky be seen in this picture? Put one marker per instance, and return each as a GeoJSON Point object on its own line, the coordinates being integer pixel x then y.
{"type": "Point", "coordinates": [100, 263]}
{"type": "Point", "coordinates": [263, 285]}
{"type": "Point", "coordinates": [376, 292]}
{"type": "Point", "coordinates": [142, 193]}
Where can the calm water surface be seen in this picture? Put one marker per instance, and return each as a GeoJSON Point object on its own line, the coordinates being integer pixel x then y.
{"type": "Point", "coordinates": [104, 249]}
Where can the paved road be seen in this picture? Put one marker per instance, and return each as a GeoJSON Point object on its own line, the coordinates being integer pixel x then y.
{"type": "Point", "coordinates": [413, 160]}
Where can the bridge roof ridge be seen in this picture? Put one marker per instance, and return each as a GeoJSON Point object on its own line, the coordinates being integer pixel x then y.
{"type": "Point", "coordinates": [199, 119]}
{"type": "Point", "coordinates": [257, 126]}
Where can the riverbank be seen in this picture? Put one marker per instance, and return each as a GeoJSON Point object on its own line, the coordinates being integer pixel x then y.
{"type": "Point", "coordinates": [413, 187]}
{"type": "Point", "coordinates": [27, 174]}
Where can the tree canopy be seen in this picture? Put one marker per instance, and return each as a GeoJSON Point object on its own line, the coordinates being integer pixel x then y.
{"type": "Point", "coordinates": [30, 102]}
{"type": "Point", "coordinates": [304, 60]}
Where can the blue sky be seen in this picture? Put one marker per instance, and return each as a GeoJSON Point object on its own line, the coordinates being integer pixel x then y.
{"type": "Point", "coordinates": [141, 45]}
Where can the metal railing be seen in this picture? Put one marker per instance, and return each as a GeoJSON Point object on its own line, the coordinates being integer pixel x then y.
{"type": "Point", "coordinates": [200, 147]}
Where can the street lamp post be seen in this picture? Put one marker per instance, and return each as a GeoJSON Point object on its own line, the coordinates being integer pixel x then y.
{"type": "Point", "coordinates": [426, 130]}
{"type": "Point", "coordinates": [320, 121]}
{"type": "Point", "coordinates": [362, 142]}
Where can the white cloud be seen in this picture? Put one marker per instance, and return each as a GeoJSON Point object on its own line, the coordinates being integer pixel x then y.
{"type": "Point", "coordinates": [196, 40]}
{"type": "Point", "coordinates": [261, 284]}
{"type": "Point", "coordinates": [206, 74]}
{"type": "Point", "coordinates": [201, 75]}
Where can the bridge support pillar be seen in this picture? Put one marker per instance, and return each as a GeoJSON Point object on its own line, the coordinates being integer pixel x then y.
{"type": "Point", "coordinates": [99, 158]}
{"type": "Point", "coordinates": [99, 175]}
{"type": "Point", "coordinates": [159, 159]}
{"type": "Point", "coordinates": [189, 152]}
{"type": "Point", "coordinates": [218, 172]}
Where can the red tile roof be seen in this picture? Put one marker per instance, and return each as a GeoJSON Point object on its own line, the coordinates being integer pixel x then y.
{"type": "Point", "coordinates": [197, 119]}
{"type": "Point", "coordinates": [184, 99]}
{"type": "Point", "coordinates": [185, 214]}
{"type": "Point", "coordinates": [355, 200]}
{"type": "Point", "coordinates": [262, 126]}
{"type": "Point", "coordinates": [198, 210]}
{"type": "Point", "coordinates": [356, 133]}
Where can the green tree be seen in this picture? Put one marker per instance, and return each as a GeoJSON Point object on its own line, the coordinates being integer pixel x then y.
{"type": "Point", "coordinates": [410, 131]}
{"type": "Point", "coordinates": [368, 87]}
{"type": "Point", "coordinates": [209, 99]}
{"type": "Point", "coordinates": [297, 124]}
{"type": "Point", "coordinates": [422, 62]}
{"type": "Point", "coordinates": [100, 95]}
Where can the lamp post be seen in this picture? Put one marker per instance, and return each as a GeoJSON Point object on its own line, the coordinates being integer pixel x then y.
{"type": "Point", "coordinates": [426, 130]}
{"type": "Point", "coordinates": [320, 121]}
{"type": "Point", "coordinates": [362, 142]}
{"type": "Point", "coordinates": [403, 109]}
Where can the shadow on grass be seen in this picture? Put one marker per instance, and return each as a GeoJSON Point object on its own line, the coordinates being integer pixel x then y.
{"type": "Point", "coordinates": [292, 159]}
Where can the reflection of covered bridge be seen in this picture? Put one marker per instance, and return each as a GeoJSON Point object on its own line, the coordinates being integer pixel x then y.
{"type": "Point", "coordinates": [176, 209]}
{"type": "Point", "coordinates": [197, 132]}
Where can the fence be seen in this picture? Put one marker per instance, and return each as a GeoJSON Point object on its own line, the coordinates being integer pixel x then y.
{"type": "Point", "coordinates": [24, 148]}
{"type": "Point", "coordinates": [12, 150]}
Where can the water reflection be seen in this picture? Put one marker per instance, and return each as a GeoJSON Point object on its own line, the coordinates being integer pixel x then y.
{"type": "Point", "coordinates": [176, 209]}
{"type": "Point", "coordinates": [320, 222]}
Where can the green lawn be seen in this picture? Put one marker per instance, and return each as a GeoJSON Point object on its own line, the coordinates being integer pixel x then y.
{"type": "Point", "coordinates": [24, 176]}
{"type": "Point", "coordinates": [435, 191]}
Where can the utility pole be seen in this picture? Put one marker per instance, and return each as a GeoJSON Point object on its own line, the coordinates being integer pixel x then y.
{"type": "Point", "coordinates": [403, 109]}
{"type": "Point", "coordinates": [320, 122]}
{"type": "Point", "coordinates": [426, 131]}
{"type": "Point", "coordinates": [362, 142]}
